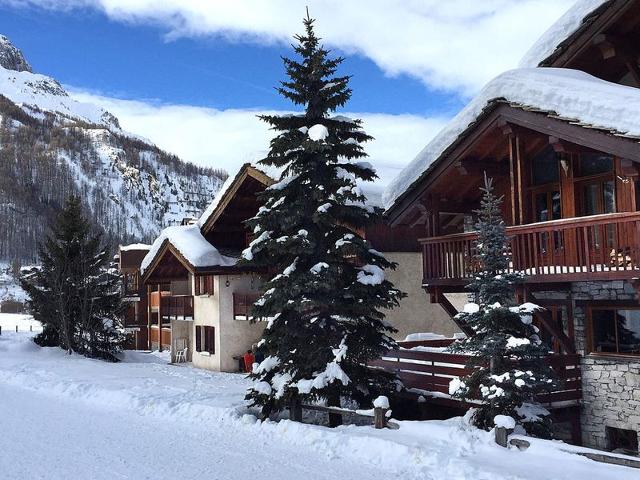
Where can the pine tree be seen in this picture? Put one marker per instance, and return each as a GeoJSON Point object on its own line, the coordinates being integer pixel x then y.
{"type": "Point", "coordinates": [73, 292]}
{"type": "Point", "coordinates": [509, 366]}
{"type": "Point", "coordinates": [324, 304]}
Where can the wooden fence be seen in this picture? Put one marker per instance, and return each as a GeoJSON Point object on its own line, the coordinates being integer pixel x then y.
{"type": "Point", "coordinates": [430, 370]}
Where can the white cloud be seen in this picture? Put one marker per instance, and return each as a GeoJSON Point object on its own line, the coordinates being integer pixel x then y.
{"type": "Point", "coordinates": [456, 45]}
{"type": "Point", "coordinates": [228, 138]}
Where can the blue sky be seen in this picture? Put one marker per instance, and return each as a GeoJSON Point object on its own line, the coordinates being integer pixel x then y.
{"type": "Point", "coordinates": [86, 49]}
{"type": "Point", "coordinates": [191, 75]}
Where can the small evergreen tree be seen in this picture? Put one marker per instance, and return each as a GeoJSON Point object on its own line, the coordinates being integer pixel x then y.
{"type": "Point", "coordinates": [325, 302]}
{"type": "Point", "coordinates": [508, 354]}
{"type": "Point", "coordinates": [73, 293]}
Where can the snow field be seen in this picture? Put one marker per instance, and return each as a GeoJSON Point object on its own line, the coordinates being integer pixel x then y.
{"type": "Point", "coordinates": [150, 392]}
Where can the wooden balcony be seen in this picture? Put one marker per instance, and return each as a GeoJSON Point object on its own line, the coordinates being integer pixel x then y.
{"type": "Point", "coordinates": [602, 247]}
{"type": "Point", "coordinates": [242, 304]}
{"type": "Point", "coordinates": [131, 284]}
{"type": "Point", "coordinates": [172, 307]}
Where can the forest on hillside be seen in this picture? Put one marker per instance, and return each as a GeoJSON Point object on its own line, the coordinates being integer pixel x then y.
{"type": "Point", "coordinates": [130, 188]}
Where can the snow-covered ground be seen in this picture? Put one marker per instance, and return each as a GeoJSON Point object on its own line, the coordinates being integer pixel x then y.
{"type": "Point", "coordinates": [69, 417]}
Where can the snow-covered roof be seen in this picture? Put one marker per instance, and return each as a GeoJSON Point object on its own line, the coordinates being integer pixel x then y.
{"type": "Point", "coordinates": [571, 95]}
{"type": "Point", "coordinates": [134, 246]}
{"type": "Point", "coordinates": [560, 31]}
{"type": "Point", "coordinates": [188, 240]}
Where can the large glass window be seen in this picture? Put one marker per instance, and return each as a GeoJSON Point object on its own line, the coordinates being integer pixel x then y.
{"type": "Point", "coordinates": [594, 164]}
{"type": "Point", "coordinates": [615, 331]}
{"type": "Point", "coordinates": [544, 167]}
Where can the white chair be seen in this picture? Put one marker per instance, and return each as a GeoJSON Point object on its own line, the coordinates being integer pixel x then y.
{"type": "Point", "coordinates": [181, 350]}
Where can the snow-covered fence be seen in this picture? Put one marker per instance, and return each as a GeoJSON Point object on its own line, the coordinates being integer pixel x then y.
{"type": "Point", "coordinates": [380, 413]}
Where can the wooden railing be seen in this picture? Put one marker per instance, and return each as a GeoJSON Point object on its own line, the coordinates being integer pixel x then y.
{"type": "Point", "coordinates": [242, 304]}
{"type": "Point", "coordinates": [601, 246]}
{"type": "Point", "coordinates": [432, 369]}
{"type": "Point", "coordinates": [176, 307]}
{"type": "Point", "coordinates": [131, 284]}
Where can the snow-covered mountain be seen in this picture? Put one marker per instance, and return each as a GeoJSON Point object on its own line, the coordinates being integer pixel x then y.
{"type": "Point", "coordinates": [52, 146]}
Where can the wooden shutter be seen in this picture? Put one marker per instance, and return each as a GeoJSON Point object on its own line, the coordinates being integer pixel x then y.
{"type": "Point", "coordinates": [210, 340]}
{"type": "Point", "coordinates": [209, 284]}
{"type": "Point", "coordinates": [198, 338]}
{"type": "Point", "coordinates": [197, 282]}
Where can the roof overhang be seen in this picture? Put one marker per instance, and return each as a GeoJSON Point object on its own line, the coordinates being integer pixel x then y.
{"type": "Point", "coordinates": [597, 21]}
{"type": "Point", "coordinates": [499, 112]}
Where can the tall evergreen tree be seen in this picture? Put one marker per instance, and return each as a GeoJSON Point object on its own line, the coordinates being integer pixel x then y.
{"type": "Point", "coordinates": [508, 361]}
{"type": "Point", "coordinates": [325, 303]}
{"type": "Point", "coordinates": [73, 293]}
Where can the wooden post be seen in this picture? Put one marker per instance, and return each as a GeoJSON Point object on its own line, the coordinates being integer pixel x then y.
{"type": "Point", "coordinates": [295, 409]}
{"type": "Point", "coordinates": [520, 173]}
{"type": "Point", "coordinates": [380, 417]}
{"type": "Point", "coordinates": [502, 434]}
{"type": "Point", "coordinates": [148, 317]}
{"type": "Point", "coordinates": [512, 179]}
{"type": "Point", "coordinates": [159, 318]}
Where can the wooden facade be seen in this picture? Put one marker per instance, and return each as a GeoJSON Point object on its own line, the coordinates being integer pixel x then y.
{"type": "Point", "coordinates": [571, 203]}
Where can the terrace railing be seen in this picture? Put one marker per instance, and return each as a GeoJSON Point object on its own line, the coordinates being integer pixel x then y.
{"type": "Point", "coordinates": [605, 247]}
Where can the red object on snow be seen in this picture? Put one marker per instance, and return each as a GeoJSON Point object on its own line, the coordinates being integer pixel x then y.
{"type": "Point", "coordinates": [249, 359]}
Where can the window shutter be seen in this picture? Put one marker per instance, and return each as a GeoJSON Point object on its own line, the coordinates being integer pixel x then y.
{"type": "Point", "coordinates": [198, 338]}
{"type": "Point", "coordinates": [197, 282]}
{"type": "Point", "coordinates": [211, 341]}
{"type": "Point", "coordinates": [210, 284]}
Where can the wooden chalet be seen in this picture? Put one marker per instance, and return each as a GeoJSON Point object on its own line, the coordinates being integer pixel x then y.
{"type": "Point", "coordinates": [135, 317]}
{"type": "Point", "coordinates": [562, 145]}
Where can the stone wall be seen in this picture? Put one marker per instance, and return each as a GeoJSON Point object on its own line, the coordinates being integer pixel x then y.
{"type": "Point", "coordinates": [610, 384]}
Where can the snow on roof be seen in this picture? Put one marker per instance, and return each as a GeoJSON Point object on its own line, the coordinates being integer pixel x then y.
{"type": "Point", "coordinates": [134, 246]}
{"type": "Point", "coordinates": [560, 31]}
{"type": "Point", "coordinates": [188, 240]}
{"type": "Point", "coordinates": [569, 94]}
{"type": "Point", "coordinates": [215, 202]}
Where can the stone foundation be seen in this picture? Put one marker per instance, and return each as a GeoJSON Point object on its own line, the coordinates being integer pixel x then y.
{"type": "Point", "coordinates": [610, 384]}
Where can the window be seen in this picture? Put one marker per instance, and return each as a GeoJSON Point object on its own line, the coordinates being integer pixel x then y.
{"type": "Point", "coordinates": [594, 164]}
{"type": "Point", "coordinates": [204, 285]}
{"type": "Point", "coordinates": [622, 441]}
{"type": "Point", "coordinates": [615, 331]}
{"type": "Point", "coordinates": [205, 339]}
{"type": "Point", "coordinates": [544, 167]}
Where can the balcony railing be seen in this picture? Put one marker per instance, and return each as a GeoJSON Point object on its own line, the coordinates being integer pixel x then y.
{"type": "Point", "coordinates": [242, 304]}
{"type": "Point", "coordinates": [172, 307]}
{"type": "Point", "coordinates": [131, 284]}
{"type": "Point", "coordinates": [604, 247]}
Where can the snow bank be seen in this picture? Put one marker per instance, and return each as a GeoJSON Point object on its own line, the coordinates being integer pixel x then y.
{"type": "Point", "coordinates": [568, 94]}
{"type": "Point", "coordinates": [560, 31]}
{"type": "Point", "coordinates": [188, 240]}
{"type": "Point", "coordinates": [191, 399]}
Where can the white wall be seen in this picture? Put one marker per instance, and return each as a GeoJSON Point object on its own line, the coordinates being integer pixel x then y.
{"type": "Point", "coordinates": [232, 337]}
{"type": "Point", "coordinates": [416, 314]}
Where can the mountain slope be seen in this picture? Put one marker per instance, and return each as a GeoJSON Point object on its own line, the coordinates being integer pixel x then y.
{"type": "Point", "coordinates": [52, 146]}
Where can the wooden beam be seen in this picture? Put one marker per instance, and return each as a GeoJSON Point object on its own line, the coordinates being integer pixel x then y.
{"type": "Point", "coordinates": [159, 318]}
{"type": "Point", "coordinates": [437, 296]}
{"type": "Point", "coordinates": [519, 178]}
{"type": "Point", "coordinates": [149, 316]}
{"type": "Point", "coordinates": [478, 167]}
{"type": "Point", "coordinates": [512, 180]}
{"type": "Point", "coordinates": [552, 327]}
